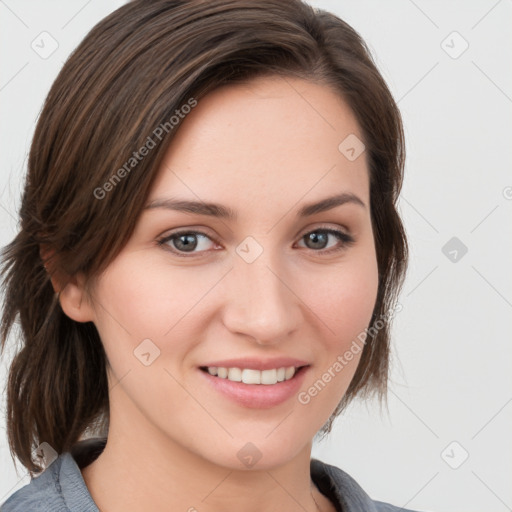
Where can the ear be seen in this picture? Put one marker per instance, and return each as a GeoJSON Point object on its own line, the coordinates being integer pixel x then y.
{"type": "Point", "coordinates": [71, 290]}
{"type": "Point", "coordinates": [74, 301]}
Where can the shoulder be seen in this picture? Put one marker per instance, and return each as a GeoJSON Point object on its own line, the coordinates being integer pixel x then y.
{"type": "Point", "coordinates": [60, 488]}
{"type": "Point", "coordinates": [345, 492]}
{"type": "Point", "coordinates": [40, 493]}
{"type": "Point", "coordinates": [380, 506]}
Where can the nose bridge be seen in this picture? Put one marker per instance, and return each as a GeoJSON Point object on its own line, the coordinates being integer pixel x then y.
{"type": "Point", "coordinates": [260, 303]}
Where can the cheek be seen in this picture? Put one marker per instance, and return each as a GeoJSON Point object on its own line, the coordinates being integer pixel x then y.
{"type": "Point", "coordinates": [138, 300]}
{"type": "Point", "coordinates": [343, 297]}
{"type": "Point", "coordinates": [342, 302]}
{"type": "Point", "coordinates": [151, 301]}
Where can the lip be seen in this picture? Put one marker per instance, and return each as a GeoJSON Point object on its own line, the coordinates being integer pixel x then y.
{"type": "Point", "coordinates": [257, 396]}
{"type": "Point", "coordinates": [254, 363]}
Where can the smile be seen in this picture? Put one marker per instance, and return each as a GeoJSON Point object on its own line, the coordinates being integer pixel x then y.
{"type": "Point", "coordinates": [254, 393]}
{"type": "Point", "coordinates": [251, 376]}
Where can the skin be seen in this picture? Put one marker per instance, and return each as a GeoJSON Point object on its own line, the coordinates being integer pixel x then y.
{"type": "Point", "coordinates": [264, 149]}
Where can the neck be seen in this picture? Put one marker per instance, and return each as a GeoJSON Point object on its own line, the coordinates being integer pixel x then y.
{"type": "Point", "coordinates": [151, 471]}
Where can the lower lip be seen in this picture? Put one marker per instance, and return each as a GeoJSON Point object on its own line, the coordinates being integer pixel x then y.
{"type": "Point", "coordinates": [258, 396]}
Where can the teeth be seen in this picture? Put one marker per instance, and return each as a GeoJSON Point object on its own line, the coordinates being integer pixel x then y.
{"type": "Point", "coordinates": [249, 376]}
{"type": "Point", "coordinates": [234, 374]}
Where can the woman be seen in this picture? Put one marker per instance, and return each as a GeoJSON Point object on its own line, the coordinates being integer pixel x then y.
{"type": "Point", "coordinates": [208, 261]}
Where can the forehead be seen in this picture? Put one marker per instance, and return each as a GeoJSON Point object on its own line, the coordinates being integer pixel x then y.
{"type": "Point", "coordinates": [267, 135]}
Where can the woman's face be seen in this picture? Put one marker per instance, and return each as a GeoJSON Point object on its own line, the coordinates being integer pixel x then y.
{"type": "Point", "coordinates": [273, 281]}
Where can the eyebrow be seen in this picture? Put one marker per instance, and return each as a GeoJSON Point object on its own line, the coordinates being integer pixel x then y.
{"type": "Point", "coordinates": [224, 212]}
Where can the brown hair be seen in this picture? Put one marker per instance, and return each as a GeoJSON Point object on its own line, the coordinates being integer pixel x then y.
{"type": "Point", "coordinates": [129, 75]}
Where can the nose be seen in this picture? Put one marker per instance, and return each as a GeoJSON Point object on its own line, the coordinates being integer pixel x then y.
{"type": "Point", "coordinates": [260, 301]}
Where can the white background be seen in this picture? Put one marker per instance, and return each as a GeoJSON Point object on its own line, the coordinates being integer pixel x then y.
{"type": "Point", "coordinates": [452, 364]}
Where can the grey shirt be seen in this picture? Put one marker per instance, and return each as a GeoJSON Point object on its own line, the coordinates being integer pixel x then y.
{"type": "Point", "coordinates": [61, 488]}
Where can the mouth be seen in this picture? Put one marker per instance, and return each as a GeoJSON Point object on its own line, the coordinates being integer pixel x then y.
{"type": "Point", "coordinates": [255, 389]}
{"type": "Point", "coordinates": [253, 377]}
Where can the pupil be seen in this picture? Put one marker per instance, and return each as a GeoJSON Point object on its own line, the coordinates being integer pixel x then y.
{"type": "Point", "coordinates": [187, 245]}
{"type": "Point", "coordinates": [316, 238]}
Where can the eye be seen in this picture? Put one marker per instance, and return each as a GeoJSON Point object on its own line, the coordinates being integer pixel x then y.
{"type": "Point", "coordinates": [184, 242]}
{"type": "Point", "coordinates": [318, 240]}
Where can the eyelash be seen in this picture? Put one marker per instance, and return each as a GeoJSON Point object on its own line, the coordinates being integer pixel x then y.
{"type": "Point", "coordinates": [345, 239]}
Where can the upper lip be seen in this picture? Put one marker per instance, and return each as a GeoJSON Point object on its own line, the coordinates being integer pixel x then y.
{"type": "Point", "coordinates": [255, 363]}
